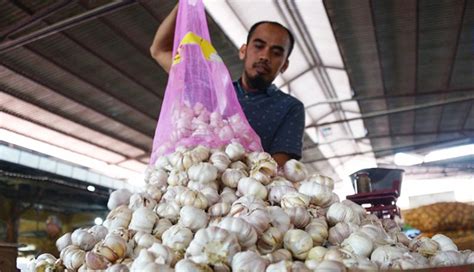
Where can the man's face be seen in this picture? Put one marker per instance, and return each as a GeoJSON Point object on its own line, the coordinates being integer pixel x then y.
{"type": "Point", "coordinates": [265, 55]}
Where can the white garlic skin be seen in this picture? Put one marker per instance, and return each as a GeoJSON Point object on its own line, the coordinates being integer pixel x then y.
{"type": "Point", "coordinates": [445, 243]}
{"type": "Point", "coordinates": [298, 242]}
{"type": "Point", "coordinates": [248, 261]}
{"type": "Point", "coordinates": [250, 186]}
{"type": "Point", "coordinates": [295, 171]}
{"type": "Point", "coordinates": [64, 241]}
{"type": "Point", "coordinates": [213, 245]}
{"type": "Point", "coordinates": [245, 233]}
{"type": "Point", "coordinates": [119, 197]}
{"type": "Point", "coordinates": [177, 237]}
{"type": "Point", "coordinates": [193, 218]}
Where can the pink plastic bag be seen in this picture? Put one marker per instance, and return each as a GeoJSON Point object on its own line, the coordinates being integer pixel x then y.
{"type": "Point", "coordinates": [200, 104]}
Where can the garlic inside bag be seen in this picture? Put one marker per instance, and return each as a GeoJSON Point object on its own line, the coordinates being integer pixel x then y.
{"type": "Point", "coordinates": [218, 209]}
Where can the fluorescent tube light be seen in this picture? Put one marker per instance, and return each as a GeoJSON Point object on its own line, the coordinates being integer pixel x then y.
{"type": "Point", "coordinates": [450, 153]}
{"type": "Point", "coordinates": [405, 159]}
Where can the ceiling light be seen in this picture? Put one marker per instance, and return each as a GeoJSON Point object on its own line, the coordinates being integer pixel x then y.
{"type": "Point", "coordinates": [91, 188]}
{"type": "Point", "coordinates": [450, 153]}
{"type": "Point", "coordinates": [405, 159]}
{"type": "Point", "coordinates": [98, 221]}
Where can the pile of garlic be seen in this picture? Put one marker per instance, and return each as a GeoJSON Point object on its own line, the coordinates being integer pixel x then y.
{"type": "Point", "coordinates": [224, 209]}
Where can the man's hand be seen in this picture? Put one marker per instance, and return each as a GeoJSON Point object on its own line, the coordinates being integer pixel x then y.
{"type": "Point", "coordinates": [281, 158]}
{"type": "Point", "coordinates": [162, 47]}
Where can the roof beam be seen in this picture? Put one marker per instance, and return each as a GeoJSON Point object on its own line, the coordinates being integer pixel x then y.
{"type": "Point", "coordinates": [65, 24]}
{"type": "Point", "coordinates": [392, 149]}
{"type": "Point", "coordinates": [397, 110]}
{"type": "Point", "coordinates": [455, 51]}
{"type": "Point", "coordinates": [392, 96]}
{"type": "Point", "coordinates": [34, 18]}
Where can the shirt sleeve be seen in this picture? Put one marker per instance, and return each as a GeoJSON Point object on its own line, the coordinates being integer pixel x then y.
{"type": "Point", "coordinates": [289, 135]}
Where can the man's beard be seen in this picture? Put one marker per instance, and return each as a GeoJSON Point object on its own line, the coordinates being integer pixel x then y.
{"type": "Point", "coordinates": [257, 82]}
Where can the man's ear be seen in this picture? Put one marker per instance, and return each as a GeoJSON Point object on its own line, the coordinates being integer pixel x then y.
{"type": "Point", "coordinates": [242, 51]}
{"type": "Point", "coordinates": [285, 66]}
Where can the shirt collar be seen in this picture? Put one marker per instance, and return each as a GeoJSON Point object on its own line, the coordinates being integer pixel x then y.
{"type": "Point", "coordinates": [270, 91]}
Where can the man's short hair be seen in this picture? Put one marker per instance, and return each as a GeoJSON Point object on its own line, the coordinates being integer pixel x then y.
{"type": "Point", "coordinates": [290, 35]}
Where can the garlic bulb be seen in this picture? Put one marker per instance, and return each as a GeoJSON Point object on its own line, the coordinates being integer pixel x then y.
{"type": "Point", "coordinates": [235, 151]}
{"type": "Point", "coordinates": [250, 186]}
{"type": "Point", "coordinates": [144, 258]}
{"type": "Point", "coordinates": [299, 266]}
{"type": "Point", "coordinates": [358, 243]}
{"type": "Point", "coordinates": [295, 171]}
{"type": "Point", "coordinates": [447, 258]}
{"type": "Point", "coordinates": [264, 170]}
{"type": "Point", "coordinates": [339, 212]}
{"type": "Point", "coordinates": [219, 209]}
{"type": "Point", "coordinates": [172, 192]}
{"type": "Point", "coordinates": [228, 195]}
{"type": "Point", "coordinates": [318, 230]}
{"type": "Point", "coordinates": [409, 260]}
{"type": "Point", "coordinates": [178, 178]}
{"type": "Point", "coordinates": [118, 197]}
{"type": "Point", "coordinates": [337, 254]}
{"type": "Point", "coordinates": [203, 172]}
{"type": "Point", "coordinates": [213, 245]}
{"type": "Point", "coordinates": [279, 266]}
{"type": "Point", "coordinates": [252, 210]}
{"type": "Point", "coordinates": [323, 180]}
{"type": "Point", "coordinates": [444, 242]}
{"type": "Point", "coordinates": [384, 256]}
{"type": "Point", "coordinates": [163, 254]}
{"type": "Point", "coordinates": [161, 226]}
{"type": "Point", "coordinates": [154, 191]}
{"type": "Point", "coordinates": [192, 218]}
{"type": "Point", "coordinates": [299, 216]}
{"type": "Point", "coordinates": [320, 194]}
{"type": "Point", "coordinates": [390, 225]}
{"type": "Point", "coordinates": [360, 263]}
{"type": "Point", "coordinates": [140, 200]}
{"type": "Point", "coordinates": [143, 219]}
{"type": "Point", "coordinates": [95, 261]}
{"type": "Point", "coordinates": [359, 210]}
{"type": "Point", "coordinates": [240, 166]}
{"type": "Point", "coordinates": [278, 188]}
{"type": "Point", "coordinates": [220, 160]}
{"type": "Point", "coordinates": [162, 163]}
{"type": "Point", "coordinates": [231, 177]}
{"type": "Point", "coordinates": [248, 261]}
{"type": "Point", "coordinates": [200, 153]}
{"type": "Point", "coordinates": [73, 257]}
{"type": "Point", "coordinates": [424, 245]}
{"type": "Point", "coordinates": [192, 198]}
{"type": "Point", "coordinates": [340, 232]}
{"type": "Point", "coordinates": [64, 241]}
{"type": "Point", "coordinates": [117, 268]}
{"type": "Point", "coordinates": [245, 233]}
{"type": "Point", "coordinates": [144, 240]}
{"type": "Point", "coordinates": [177, 238]}
{"type": "Point", "coordinates": [83, 239]}
{"type": "Point", "coordinates": [270, 240]}
{"type": "Point", "coordinates": [186, 265]}
{"type": "Point", "coordinates": [98, 232]}
{"type": "Point", "coordinates": [113, 247]}
{"type": "Point", "coordinates": [279, 218]}
{"type": "Point", "coordinates": [118, 218]}
{"type": "Point", "coordinates": [400, 237]}
{"type": "Point", "coordinates": [330, 266]}
{"type": "Point", "coordinates": [294, 199]}
{"type": "Point", "coordinates": [278, 256]}
{"type": "Point", "coordinates": [298, 242]}
{"type": "Point", "coordinates": [317, 253]}
{"type": "Point", "coordinates": [168, 210]}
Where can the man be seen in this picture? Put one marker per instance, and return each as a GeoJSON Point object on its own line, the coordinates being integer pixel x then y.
{"type": "Point", "coordinates": [276, 117]}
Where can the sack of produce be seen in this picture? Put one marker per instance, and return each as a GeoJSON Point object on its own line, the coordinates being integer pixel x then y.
{"type": "Point", "coordinates": [441, 216]}
{"type": "Point", "coordinates": [200, 104]}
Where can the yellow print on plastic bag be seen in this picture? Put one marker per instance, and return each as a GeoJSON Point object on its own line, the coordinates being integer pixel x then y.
{"type": "Point", "coordinates": [207, 49]}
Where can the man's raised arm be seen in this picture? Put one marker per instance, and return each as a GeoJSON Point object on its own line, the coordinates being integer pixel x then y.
{"type": "Point", "coordinates": [162, 47]}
